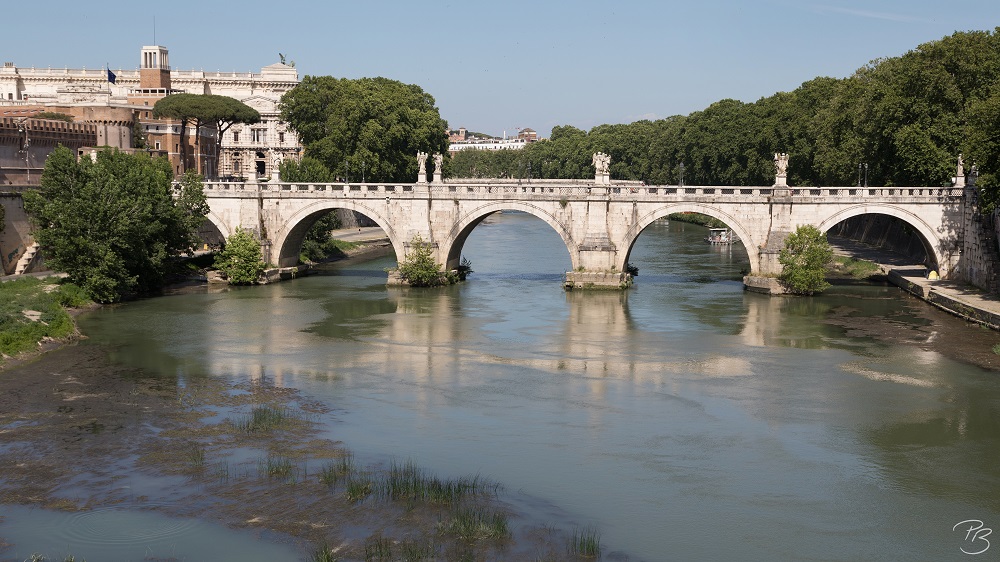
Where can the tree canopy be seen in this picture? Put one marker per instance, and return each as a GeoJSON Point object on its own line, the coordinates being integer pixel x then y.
{"type": "Point", "coordinates": [369, 126]}
{"type": "Point", "coordinates": [906, 117]}
{"type": "Point", "coordinates": [202, 110]}
{"type": "Point", "coordinates": [113, 224]}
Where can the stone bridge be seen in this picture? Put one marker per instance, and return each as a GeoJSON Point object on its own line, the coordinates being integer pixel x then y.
{"type": "Point", "coordinates": [598, 220]}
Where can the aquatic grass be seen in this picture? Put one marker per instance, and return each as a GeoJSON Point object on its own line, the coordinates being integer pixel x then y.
{"type": "Point", "coordinates": [408, 482]}
{"type": "Point", "coordinates": [378, 549]}
{"type": "Point", "coordinates": [358, 488]}
{"type": "Point", "coordinates": [585, 542]}
{"type": "Point", "coordinates": [196, 457]}
{"type": "Point", "coordinates": [333, 472]}
{"type": "Point", "coordinates": [324, 554]}
{"type": "Point", "coordinates": [277, 466]}
{"type": "Point", "coordinates": [413, 551]}
{"type": "Point", "coordinates": [475, 523]}
{"type": "Point", "coordinates": [221, 470]}
{"type": "Point", "coordinates": [263, 419]}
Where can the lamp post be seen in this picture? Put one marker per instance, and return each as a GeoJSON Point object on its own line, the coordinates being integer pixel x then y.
{"type": "Point", "coordinates": [680, 180]}
{"type": "Point", "coordinates": [362, 171]}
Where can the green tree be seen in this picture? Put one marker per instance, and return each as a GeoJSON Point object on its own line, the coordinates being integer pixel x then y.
{"type": "Point", "coordinates": [112, 224]}
{"type": "Point", "coordinates": [240, 261]}
{"type": "Point", "coordinates": [804, 259]}
{"type": "Point", "coordinates": [202, 110]}
{"type": "Point", "coordinates": [374, 125]}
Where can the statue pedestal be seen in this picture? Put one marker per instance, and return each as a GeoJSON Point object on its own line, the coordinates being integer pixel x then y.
{"type": "Point", "coordinates": [781, 181]}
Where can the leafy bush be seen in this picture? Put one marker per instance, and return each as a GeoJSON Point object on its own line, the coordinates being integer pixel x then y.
{"type": "Point", "coordinates": [804, 259]}
{"type": "Point", "coordinates": [419, 268]}
{"type": "Point", "coordinates": [240, 261]}
{"type": "Point", "coordinates": [71, 296]}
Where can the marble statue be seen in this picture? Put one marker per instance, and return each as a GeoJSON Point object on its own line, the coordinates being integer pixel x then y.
{"type": "Point", "coordinates": [780, 164]}
{"type": "Point", "coordinates": [421, 163]}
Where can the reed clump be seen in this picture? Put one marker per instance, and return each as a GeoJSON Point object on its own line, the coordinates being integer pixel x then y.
{"type": "Point", "coordinates": [585, 542]}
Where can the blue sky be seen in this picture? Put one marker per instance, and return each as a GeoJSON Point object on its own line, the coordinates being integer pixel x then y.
{"type": "Point", "coordinates": [495, 66]}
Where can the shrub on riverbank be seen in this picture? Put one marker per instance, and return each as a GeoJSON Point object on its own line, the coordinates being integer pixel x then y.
{"type": "Point", "coordinates": [32, 310]}
{"type": "Point", "coordinates": [240, 261]}
{"type": "Point", "coordinates": [804, 260]}
{"type": "Point", "coordinates": [420, 270]}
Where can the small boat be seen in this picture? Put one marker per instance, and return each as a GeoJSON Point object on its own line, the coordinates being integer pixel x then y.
{"type": "Point", "coordinates": [721, 236]}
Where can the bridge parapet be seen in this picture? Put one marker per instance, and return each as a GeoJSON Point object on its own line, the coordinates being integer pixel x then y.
{"type": "Point", "coordinates": [562, 188]}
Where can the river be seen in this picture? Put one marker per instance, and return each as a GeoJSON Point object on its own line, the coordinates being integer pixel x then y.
{"type": "Point", "coordinates": [685, 419]}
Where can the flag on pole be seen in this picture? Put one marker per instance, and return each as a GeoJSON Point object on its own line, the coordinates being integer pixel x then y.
{"type": "Point", "coordinates": [111, 75]}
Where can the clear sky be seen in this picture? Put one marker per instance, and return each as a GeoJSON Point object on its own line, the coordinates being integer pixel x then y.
{"type": "Point", "coordinates": [500, 65]}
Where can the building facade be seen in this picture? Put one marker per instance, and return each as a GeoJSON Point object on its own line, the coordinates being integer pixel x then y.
{"type": "Point", "coordinates": [247, 151]}
{"type": "Point", "coordinates": [461, 140]}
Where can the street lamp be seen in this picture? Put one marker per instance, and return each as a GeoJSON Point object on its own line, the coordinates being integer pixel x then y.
{"type": "Point", "coordinates": [362, 171]}
{"type": "Point", "coordinates": [680, 180]}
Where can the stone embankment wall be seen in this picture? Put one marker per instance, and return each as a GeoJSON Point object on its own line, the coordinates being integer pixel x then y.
{"type": "Point", "coordinates": [16, 235]}
{"type": "Point", "coordinates": [980, 262]}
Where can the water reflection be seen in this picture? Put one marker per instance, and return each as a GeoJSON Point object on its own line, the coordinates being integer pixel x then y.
{"type": "Point", "coordinates": [828, 427]}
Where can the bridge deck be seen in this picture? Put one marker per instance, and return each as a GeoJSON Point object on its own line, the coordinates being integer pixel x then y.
{"type": "Point", "coordinates": [528, 189]}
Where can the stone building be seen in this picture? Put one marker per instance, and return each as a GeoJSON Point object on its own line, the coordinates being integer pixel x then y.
{"type": "Point", "coordinates": [250, 151]}
{"type": "Point", "coordinates": [26, 141]}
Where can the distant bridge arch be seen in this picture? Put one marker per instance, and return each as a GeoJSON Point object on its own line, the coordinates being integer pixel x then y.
{"type": "Point", "coordinates": [734, 223]}
{"type": "Point", "coordinates": [472, 217]}
{"type": "Point", "coordinates": [288, 240]}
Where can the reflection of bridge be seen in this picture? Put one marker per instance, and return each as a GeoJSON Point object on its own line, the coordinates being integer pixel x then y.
{"type": "Point", "coordinates": [598, 221]}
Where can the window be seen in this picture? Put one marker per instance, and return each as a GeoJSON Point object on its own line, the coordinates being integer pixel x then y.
{"type": "Point", "coordinates": [258, 135]}
{"type": "Point", "coordinates": [236, 136]}
{"type": "Point", "coordinates": [10, 96]}
{"type": "Point", "coordinates": [281, 137]}
{"type": "Point", "coordinates": [157, 145]}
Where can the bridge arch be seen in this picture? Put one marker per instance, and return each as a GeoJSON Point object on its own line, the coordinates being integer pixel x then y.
{"type": "Point", "coordinates": [219, 224]}
{"type": "Point", "coordinates": [452, 249]}
{"type": "Point", "coordinates": [632, 234]}
{"type": "Point", "coordinates": [933, 245]}
{"type": "Point", "coordinates": [289, 238]}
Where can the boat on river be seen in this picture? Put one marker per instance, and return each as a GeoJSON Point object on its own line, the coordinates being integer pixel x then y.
{"type": "Point", "coordinates": [721, 236]}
